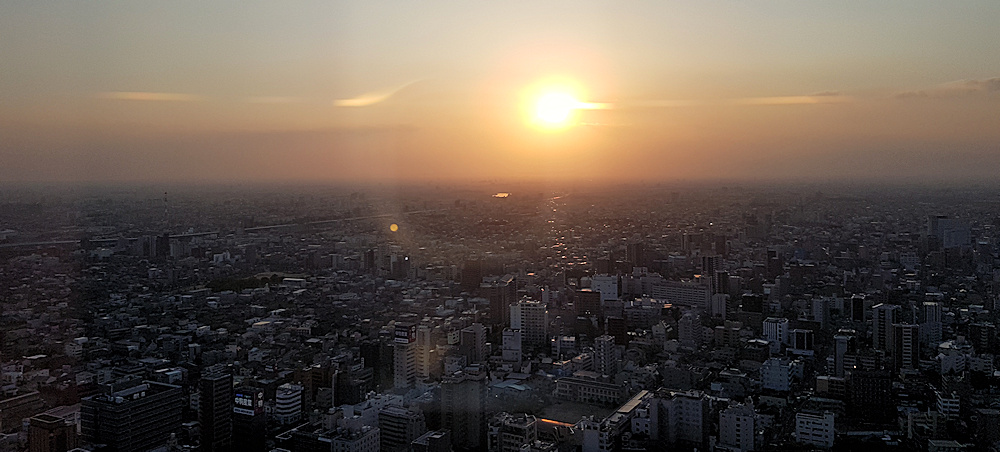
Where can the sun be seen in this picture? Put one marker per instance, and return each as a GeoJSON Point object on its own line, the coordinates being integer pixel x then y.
{"type": "Point", "coordinates": [556, 109]}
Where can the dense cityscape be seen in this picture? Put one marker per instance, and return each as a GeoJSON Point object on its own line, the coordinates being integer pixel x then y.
{"type": "Point", "coordinates": [504, 318]}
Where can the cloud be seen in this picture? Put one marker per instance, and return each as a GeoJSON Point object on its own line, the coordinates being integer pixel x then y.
{"type": "Point", "coordinates": [149, 96]}
{"type": "Point", "coordinates": [957, 88]}
{"type": "Point", "coordinates": [826, 97]}
{"type": "Point", "coordinates": [371, 98]}
{"type": "Point", "coordinates": [794, 100]}
{"type": "Point", "coordinates": [274, 100]}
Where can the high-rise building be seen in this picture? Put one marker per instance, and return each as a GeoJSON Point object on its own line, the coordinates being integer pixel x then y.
{"type": "Point", "coordinates": [511, 347]}
{"type": "Point", "coordinates": [802, 341]}
{"type": "Point", "coordinates": [508, 432]}
{"type": "Point", "coordinates": [473, 343]}
{"type": "Point", "coordinates": [606, 355]}
{"type": "Point", "coordinates": [138, 417]}
{"type": "Point", "coordinates": [607, 285]}
{"type": "Point", "coordinates": [48, 433]}
{"type": "Point", "coordinates": [905, 350]}
{"type": "Point", "coordinates": [680, 418]}
{"type": "Point", "coordinates": [948, 232]}
{"type": "Point", "coordinates": [216, 409]}
{"type": "Point", "coordinates": [840, 343]}
{"type": "Point", "coordinates": [532, 319]}
{"type": "Point", "coordinates": [856, 308]}
{"type": "Point", "coordinates": [982, 336]}
{"type": "Point", "coordinates": [472, 275]}
{"type": "Point", "coordinates": [930, 323]}
{"type": "Point", "coordinates": [776, 332]}
{"type": "Point", "coordinates": [738, 428]}
{"type": "Point", "coordinates": [501, 292]}
{"type": "Point", "coordinates": [871, 395]}
{"type": "Point", "coordinates": [404, 355]}
{"type": "Point", "coordinates": [689, 330]}
{"type": "Point", "coordinates": [463, 408]}
{"type": "Point", "coordinates": [249, 420]}
{"type": "Point", "coordinates": [776, 374]}
{"type": "Point", "coordinates": [883, 316]}
{"type": "Point", "coordinates": [398, 427]}
{"type": "Point", "coordinates": [588, 303]}
{"type": "Point", "coordinates": [427, 360]}
{"type": "Point", "coordinates": [288, 403]}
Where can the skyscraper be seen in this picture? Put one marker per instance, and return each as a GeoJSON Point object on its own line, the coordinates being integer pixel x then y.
{"type": "Point", "coordinates": [930, 323]}
{"type": "Point", "coordinates": [905, 346]}
{"type": "Point", "coordinates": [883, 316]}
{"type": "Point", "coordinates": [463, 408]}
{"type": "Point", "coordinates": [216, 404]}
{"type": "Point", "coordinates": [404, 355]}
{"type": "Point", "coordinates": [249, 420]}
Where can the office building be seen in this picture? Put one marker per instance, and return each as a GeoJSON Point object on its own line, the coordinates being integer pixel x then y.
{"type": "Point", "coordinates": [404, 355]}
{"type": "Point", "coordinates": [463, 408]}
{"type": "Point", "coordinates": [776, 374]}
{"type": "Point", "coordinates": [738, 429]}
{"type": "Point", "coordinates": [473, 343]}
{"type": "Point", "coordinates": [606, 285]}
{"type": "Point", "coordinates": [689, 330]}
{"type": "Point", "coordinates": [905, 350]}
{"type": "Point", "coordinates": [680, 418]}
{"type": "Point", "coordinates": [883, 316]}
{"type": "Point", "coordinates": [587, 303]}
{"type": "Point", "coordinates": [532, 319]}
{"type": "Point", "coordinates": [216, 409]}
{"type": "Point", "coordinates": [288, 404]}
{"type": "Point", "coordinates": [606, 356]}
{"type": "Point", "coordinates": [776, 332]}
{"type": "Point", "coordinates": [501, 293]}
{"type": "Point", "coordinates": [511, 347]}
{"type": "Point", "coordinates": [249, 420]}
{"type": "Point", "coordinates": [931, 325]}
{"type": "Point", "coordinates": [398, 427]}
{"type": "Point", "coordinates": [815, 429]}
{"type": "Point", "coordinates": [137, 417]}
{"type": "Point", "coordinates": [48, 433]}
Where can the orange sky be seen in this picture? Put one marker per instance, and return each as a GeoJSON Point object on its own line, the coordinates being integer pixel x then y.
{"type": "Point", "coordinates": [315, 90]}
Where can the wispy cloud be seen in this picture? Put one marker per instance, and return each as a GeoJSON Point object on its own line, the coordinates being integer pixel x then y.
{"type": "Point", "coordinates": [371, 98]}
{"type": "Point", "coordinates": [957, 88]}
{"type": "Point", "coordinates": [149, 96]}
{"type": "Point", "coordinates": [826, 97]}
{"type": "Point", "coordinates": [275, 100]}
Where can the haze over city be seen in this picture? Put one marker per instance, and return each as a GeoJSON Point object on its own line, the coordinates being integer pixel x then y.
{"type": "Point", "coordinates": [362, 91]}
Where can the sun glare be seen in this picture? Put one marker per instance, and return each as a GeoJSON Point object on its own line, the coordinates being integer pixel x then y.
{"type": "Point", "coordinates": [556, 109]}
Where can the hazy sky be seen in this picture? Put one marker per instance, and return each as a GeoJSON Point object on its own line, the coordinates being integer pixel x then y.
{"type": "Point", "coordinates": [330, 90]}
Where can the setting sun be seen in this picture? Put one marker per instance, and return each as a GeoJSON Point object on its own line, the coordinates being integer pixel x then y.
{"type": "Point", "coordinates": [556, 109]}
